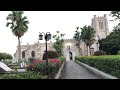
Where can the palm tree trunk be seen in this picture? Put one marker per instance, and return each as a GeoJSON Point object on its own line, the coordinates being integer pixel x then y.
{"type": "Point", "coordinates": [19, 49]}
{"type": "Point", "coordinates": [79, 52]}
{"type": "Point", "coordinates": [79, 49]}
{"type": "Point", "coordinates": [88, 51]}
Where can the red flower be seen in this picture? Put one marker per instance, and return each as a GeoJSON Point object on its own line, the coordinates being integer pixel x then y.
{"type": "Point", "coordinates": [35, 62]}
{"type": "Point", "coordinates": [56, 61]}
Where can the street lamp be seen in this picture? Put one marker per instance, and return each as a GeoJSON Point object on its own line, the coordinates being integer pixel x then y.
{"type": "Point", "coordinates": [47, 37]}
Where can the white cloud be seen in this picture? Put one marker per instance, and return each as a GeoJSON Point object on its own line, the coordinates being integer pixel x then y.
{"type": "Point", "coordinates": [46, 21]}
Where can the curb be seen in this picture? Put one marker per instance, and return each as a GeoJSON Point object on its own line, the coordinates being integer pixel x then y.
{"type": "Point", "coordinates": [97, 72]}
{"type": "Point", "coordinates": [58, 75]}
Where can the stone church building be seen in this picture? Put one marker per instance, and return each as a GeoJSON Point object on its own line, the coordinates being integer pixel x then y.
{"type": "Point", "coordinates": [100, 24]}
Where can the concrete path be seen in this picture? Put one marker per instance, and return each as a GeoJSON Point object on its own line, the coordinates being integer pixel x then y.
{"type": "Point", "coordinates": [72, 70]}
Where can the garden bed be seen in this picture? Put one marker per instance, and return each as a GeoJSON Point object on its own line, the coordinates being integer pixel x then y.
{"type": "Point", "coordinates": [40, 66]}
{"type": "Point", "coordinates": [37, 70]}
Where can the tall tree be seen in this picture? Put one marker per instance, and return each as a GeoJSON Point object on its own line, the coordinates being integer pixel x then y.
{"type": "Point", "coordinates": [18, 26]}
{"type": "Point", "coordinates": [58, 44]}
{"type": "Point", "coordinates": [88, 37]}
{"type": "Point", "coordinates": [77, 37]}
{"type": "Point", "coordinates": [115, 14]}
{"type": "Point", "coordinates": [111, 44]}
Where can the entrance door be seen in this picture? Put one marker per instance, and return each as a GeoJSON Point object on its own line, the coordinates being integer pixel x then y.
{"type": "Point", "coordinates": [70, 56]}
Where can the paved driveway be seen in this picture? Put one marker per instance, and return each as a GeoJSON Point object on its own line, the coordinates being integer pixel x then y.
{"type": "Point", "coordinates": [72, 70]}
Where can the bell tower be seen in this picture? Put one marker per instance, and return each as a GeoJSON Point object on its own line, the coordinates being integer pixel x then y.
{"type": "Point", "coordinates": [100, 24]}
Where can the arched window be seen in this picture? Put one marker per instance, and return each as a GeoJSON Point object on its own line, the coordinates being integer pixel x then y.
{"type": "Point", "coordinates": [33, 53]}
{"type": "Point", "coordinates": [23, 54]}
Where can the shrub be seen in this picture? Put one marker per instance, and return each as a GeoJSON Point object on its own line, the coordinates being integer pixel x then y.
{"type": "Point", "coordinates": [5, 56]}
{"type": "Point", "coordinates": [76, 57]}
{"type": "Point", "coordinates": [31, 59]}
{"type": "Point", "coordinates": [51, 55]}
{"type": "Point", "coordinates": [56, 62]}
{"type": "Point", "coordinates": [99, 53]}
{"type": "Point", "coordinates": [7, 61]}
{"type": "Point", "coordinates": [109, 63]}
{"type": "Point", "coordinates": [14, 66]}
{"type": "Point", "coordinates": [27, 75]}
{"type": "Point", "coordinates": [40, 66]}
{"type": "Point", "coordinates": [53, 67]}
{"type": "Point", "coordinates": [62, 58]}
{"type": "Point", "coordinates": [119, 52]}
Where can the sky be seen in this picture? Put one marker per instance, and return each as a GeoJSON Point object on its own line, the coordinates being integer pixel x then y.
{"type": "Point", "coordinates": [47, 21]}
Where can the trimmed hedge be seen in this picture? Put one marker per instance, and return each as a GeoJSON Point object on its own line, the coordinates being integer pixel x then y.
{"type": "Point", "coordinates": [109, 64]}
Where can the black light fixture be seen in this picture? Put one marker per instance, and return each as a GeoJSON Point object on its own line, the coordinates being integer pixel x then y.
{"type": "Point", "coordinates": [40, 36]}
{"type": "Point", "coordinates": [49, 36]}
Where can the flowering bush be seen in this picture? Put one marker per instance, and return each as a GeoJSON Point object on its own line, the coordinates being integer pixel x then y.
{"type": "Point", "coordinates": [53, 67]}
{"type": "Point", "coordinates": [35, 65]}
{"type": "Point", "coordinates": [35, 62]}
{"type": "Point", "coordinates": [55, 61]}
{"type": "Point", "coordinates": [40, 66]}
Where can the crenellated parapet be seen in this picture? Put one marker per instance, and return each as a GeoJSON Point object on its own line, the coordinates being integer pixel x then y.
{"type": "Point", "coordinates": [100, 17]}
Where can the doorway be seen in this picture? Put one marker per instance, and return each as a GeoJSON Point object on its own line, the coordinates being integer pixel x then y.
{"type": "Point", "coordinates": [70, 56]}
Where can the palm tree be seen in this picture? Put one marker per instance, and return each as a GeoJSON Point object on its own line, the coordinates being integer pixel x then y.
{"type": "Point", "coordinates": [18, 26]}
{"type": "Point", "coordinates": [77, 37]}
{"type": "Point", "coordinates": [88, 36]}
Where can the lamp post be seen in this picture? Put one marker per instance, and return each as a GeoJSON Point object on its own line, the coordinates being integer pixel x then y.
{"type": "Point", "coordinates": [47, 37]}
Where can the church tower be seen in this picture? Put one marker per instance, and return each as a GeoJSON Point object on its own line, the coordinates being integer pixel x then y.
{"type": "Point", "coordinates": [100, 24]}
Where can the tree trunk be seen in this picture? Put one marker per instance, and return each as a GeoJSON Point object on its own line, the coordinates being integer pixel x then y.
{"type": "Point", "coordinates": [19, 49]}
{"type": "Point", "coordinates": [88, 51]}
{"type": "Point", "coordinates": [80, 53]}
